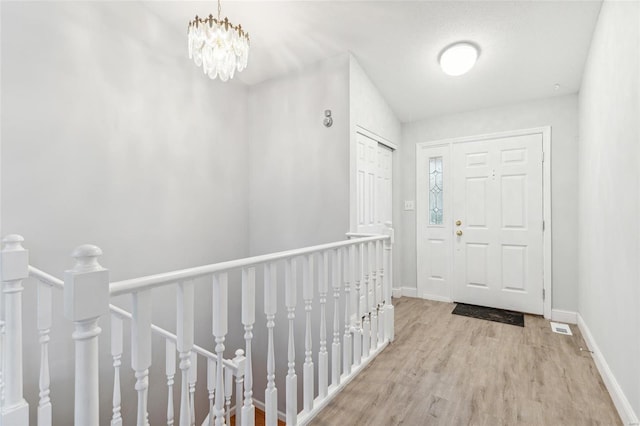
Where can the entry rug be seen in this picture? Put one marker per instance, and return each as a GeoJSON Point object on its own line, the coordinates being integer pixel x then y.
{"type": "Point", "coordinates": [490, 314]}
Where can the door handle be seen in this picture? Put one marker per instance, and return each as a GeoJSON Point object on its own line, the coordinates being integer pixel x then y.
{"type": "Point", "coordinates": [459, 232]}
{"type": "Point", "coordinates": [458, 222]}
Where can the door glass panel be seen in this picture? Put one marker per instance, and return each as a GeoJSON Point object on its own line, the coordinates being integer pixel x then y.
{"type": "Point", "coordinates": [435, 191]}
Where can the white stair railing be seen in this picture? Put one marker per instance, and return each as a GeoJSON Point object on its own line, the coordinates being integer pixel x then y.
{"type": "Point", "coordinates": [361, 266]}
{"type": "Point", "coordinates": [87, 258]}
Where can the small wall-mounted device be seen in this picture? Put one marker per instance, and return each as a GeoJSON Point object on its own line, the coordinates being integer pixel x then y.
{"type": "Point", "coordinates": [328, 121]}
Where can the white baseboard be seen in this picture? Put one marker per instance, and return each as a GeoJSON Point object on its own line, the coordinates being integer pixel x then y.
{"type": "Point", "coordinates": [404, 292]}
{"type": "Point", "coordinates": [436, 298]}
{"type": "Point", "coordinates": [568, 317]}
{"type": "Point", "coordinates": [620, 400]}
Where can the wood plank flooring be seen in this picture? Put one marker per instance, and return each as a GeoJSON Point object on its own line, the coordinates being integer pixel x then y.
{"type": "Point", "coordinates": [446, 369]}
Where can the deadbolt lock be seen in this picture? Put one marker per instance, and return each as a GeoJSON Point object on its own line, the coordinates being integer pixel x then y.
{"type": "Point", "coordinates": [459, 232]}
{"type": "Point", "coordinates": [458, 222]}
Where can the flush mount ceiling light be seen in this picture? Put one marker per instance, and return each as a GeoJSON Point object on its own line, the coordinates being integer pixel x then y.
{"type": "Point", "coordinates": [218, 46]}
{"type": "Point", "coordinates": [458, 58]}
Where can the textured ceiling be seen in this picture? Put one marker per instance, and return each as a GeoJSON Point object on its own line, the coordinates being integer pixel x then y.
{"type": "Point", "coordinates": [526, 46]}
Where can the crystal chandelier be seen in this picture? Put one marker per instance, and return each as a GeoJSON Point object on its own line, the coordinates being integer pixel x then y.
{"type": "Point", "coordinates": [218, 46]}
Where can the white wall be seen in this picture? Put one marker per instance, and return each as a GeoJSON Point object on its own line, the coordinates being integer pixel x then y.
{"type": "Point", "coordinates": [110, 135]}
{"type": "Point", "coordinates": [561, 114]}
{"type": "Point", "coordinates": [298, 168]}
{"type": "Point", "coordinates": [609, 196]}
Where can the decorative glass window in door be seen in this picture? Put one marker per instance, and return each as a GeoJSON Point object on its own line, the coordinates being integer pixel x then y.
{"type": "Point", "coordinates": [435, 191]}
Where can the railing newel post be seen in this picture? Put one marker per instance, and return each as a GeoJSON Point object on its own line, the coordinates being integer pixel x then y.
{"type": "Point", "coordinates": [388, 285]}
{"type": "Point", "coordinates": [86, 299]}
{"type": "Point", "coordinates": [14, 268]}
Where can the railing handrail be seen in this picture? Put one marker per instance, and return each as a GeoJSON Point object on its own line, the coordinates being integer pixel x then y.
{"type": "Point", "coordinates": [59, 284]}
{"type": "Point", "coordinates": [46, 278]}
{"type": "Point", "coordinates": [153, 281]}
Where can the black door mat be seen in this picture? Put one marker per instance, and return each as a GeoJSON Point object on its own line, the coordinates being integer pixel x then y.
{"type": "Point", "coordinates": [489, 314]}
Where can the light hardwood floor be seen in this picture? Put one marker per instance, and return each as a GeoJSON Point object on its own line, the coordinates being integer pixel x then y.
{"type": "Point", "coordinates": [446, 369]}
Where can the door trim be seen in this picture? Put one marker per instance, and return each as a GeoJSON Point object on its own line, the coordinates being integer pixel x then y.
{"type": "Point", "coordinates": [545, 132]}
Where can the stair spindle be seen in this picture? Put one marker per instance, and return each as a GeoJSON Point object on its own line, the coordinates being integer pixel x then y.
{"type": "Point", "coordinates": [116, 354]}
{"type": "Point", "coordinates": [239, 361]}
{"type": "Point", "coordinates": [270, 308]}
{"type": "Point", "coordinates": [366, 325]}
{"type": "Point", "coordinates": [388, 262]}
{"type": "Point", "coordinates": [292, 378]}
{"type": "Point", "coordinates": [347, 255]}
{"type": "Point", "coordinates": [184, 343]}
{"type": "Point", "coordinates": [228, 390]}
{"type": "Point", "coordinates": [211, 386]}
{"type": "Point", "coordinates": [170, 371]}
{"type": "Point", "coordinates": [141, 351]}
{"type": "Point", "coordinates": [357, 334]}
{"type": "Point", "coordinates": [323, 355]}
{"type": "Point", "coordinates": [193, 377]}
{"type": "Point", "coordinates": [248, 318]}
{"type": "Point", "coordinates": [220, 306]}
{"type": "Point", "coordinates": [373, 308]}
{"type": "Point", "coordinates": [307, 371]}
{"type": "Point", "coordinates": [335, 347]}
{"type": "Point", "coordinates": [379, 292]}
{"type": "Point", "coordinates": [44, 327]}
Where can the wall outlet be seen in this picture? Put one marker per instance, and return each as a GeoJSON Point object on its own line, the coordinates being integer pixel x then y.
{"type": "Point", "coordinates": [409, 205]}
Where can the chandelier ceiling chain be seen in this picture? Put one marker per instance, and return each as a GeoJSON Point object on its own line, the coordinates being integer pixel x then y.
{"type": "Point", "coordinates": [217, 45]}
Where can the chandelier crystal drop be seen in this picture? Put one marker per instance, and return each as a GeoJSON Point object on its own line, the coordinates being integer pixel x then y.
{"type": "Point", "coordinates": [218, 46]}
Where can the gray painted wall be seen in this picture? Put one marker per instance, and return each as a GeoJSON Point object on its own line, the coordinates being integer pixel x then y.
{"type": "Point", "coordinates": [107, 139]}
{"type": "Point", "coordinates": [561, 113]}
{"type": "Point", "coordinates": [609, 195]}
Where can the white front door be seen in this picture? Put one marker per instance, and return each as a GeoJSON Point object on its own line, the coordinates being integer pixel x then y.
{"type": "Point", "coordinates": [480, 222]}
{"type": "Point", "coordinates": [497, 214]}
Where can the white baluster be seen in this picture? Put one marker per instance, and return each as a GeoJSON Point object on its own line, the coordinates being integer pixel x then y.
{"type": "Point", "coordinates": [193, 377]}
{"type": "Point", "coordinates": [86, 299]}
{"type": "Point", "coordinates": [292, 378]}
{"type": "Point", "coordinates": [141, 350]}
{"type": "Point", "coordinates": [270, 308]}
{"type": "Point", "coordinates": [15, 268]}
{"type": "Point", "coordinates": [228, 389]}
{"type": "Point", "coordinates": [366, 326]}
{"type": "Point", "coordinates": [219, 328]}
{"type": "Point", "coordinates": [44, 327]}
{"type": "Point", "coordinates": [184, 343]}
{"type": "Point", "coordinates": [116, 354]}
{"type": "Point", "coordinates": [307, 369]}
{"type": "Point", "coordinates": [2, 346]}
{"type": "Point", "coordinates": [380, 291]}
{"type": "Point", "coordinates": [239, 361]}
{"type": "Point", "coordinates": [373, 308]}
{"type": "Point", "coordinates": [357, 333]}
{"type": "Point", "coordinates": [211, 386]}
{"type": "Point", "coordinates": [335, 347]}
{"type": "Point", "coordinates": [389, 314]}
{"type": "Point", "coordinates": [248, 318]}
{"type": "Point", "coordinates": [170, 371]}
{"type": "Point", "coordinates": [347, 254]}
{"type": "Point", "coordinates": [323, 355]}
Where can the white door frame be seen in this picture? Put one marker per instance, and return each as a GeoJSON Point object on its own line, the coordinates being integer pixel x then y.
{"type": "Point", "coordinates": [545, 131]}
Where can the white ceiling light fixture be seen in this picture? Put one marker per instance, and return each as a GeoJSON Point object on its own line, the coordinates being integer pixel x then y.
{"type": "Point", "coordinates": [458, 58]}
{"type": "Point", "coordinates": [218, 46]}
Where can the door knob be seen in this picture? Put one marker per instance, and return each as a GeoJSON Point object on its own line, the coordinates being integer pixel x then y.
{"type": "Point", "coordinates": [458, 222]}
{"type": "Point", "coordinates": [459, 232]}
